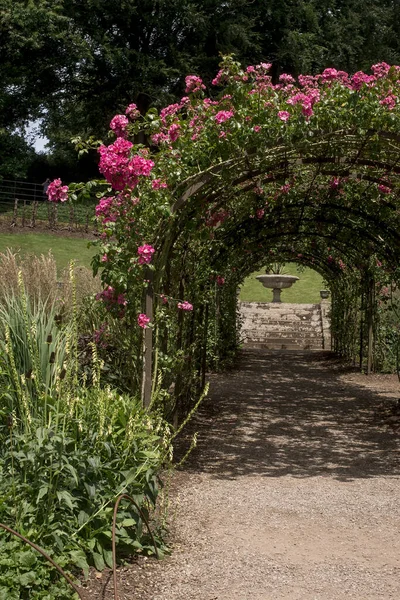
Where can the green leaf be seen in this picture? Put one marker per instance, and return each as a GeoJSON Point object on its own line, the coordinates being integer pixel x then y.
{"type": "Point", "coordinates": [91, 490]}
{"type": "Point", "coordinates": [66, 496]}
{"type": "Point", "coordinates": [83, 517]}
{"type": "Point", "coordinates": [27, 559]}
{"type": "Point", "coordinates": [128, 522]}
{"type": "Point", "coordinates": [98, 561]}
{"type": "Point", "coordinates": [42, 492]}
{"type": "Point", "coordinates": [78, 557]}
{"type": "Point", "coordinates": [108, 558]}
{"type": "Point", "coordinates": [27, 579]}
{"type": "Point", "coordinates": [73, 472]}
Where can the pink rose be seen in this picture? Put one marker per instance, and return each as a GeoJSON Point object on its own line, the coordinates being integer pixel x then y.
{"type": "Point", "coordinates": [143, 320]}
{"type": "Point", "coordinates": [185, 305]}
{"type": "Point", "coordinates": [145, 254]}
{"type": "Point", "coordinates": [284, 115]}
{"type": "Point", "coordinates": [223, 115]}
{"type": "Point", "coordinates": [56, 192]}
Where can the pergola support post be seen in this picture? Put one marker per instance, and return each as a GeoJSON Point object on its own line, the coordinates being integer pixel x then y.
{"type": "Point", "coordinates": [371, 298]}
{"type": "Point", "coordinates": [148, 345]}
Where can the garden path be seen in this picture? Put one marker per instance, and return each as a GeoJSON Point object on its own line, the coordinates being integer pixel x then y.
{"type": "Point", "coordinates": [292, 493]}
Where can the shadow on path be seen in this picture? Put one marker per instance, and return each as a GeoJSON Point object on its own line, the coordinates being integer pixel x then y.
{"type": "Point", "coordinates": [288, 413]}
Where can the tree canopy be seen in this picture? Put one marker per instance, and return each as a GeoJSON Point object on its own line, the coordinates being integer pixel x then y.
{"type": "Point", "coordinates": [76, 63]}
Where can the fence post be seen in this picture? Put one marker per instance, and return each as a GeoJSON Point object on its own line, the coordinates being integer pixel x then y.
{"type": "Point", "coordinates": [71, 217]}
{"type": "Point", "coordinates": [15, 213]}
{"type": "Point", "coordinates": [23, 214]}
{"type": "Point", "coordinates": [34, 212]}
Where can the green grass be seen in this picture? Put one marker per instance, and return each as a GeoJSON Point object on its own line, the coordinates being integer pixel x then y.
{"type": "Point", "coordinates": [304, 291]}
{"type": "Point", "coordinates": [64, 249]}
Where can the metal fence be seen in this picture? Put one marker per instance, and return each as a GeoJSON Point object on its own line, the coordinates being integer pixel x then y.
{"type": "Point", "coordinates": [24, 204]}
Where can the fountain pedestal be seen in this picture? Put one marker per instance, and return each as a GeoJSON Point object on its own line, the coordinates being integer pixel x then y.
{"type": "Point", "coordinates": [277, 283]}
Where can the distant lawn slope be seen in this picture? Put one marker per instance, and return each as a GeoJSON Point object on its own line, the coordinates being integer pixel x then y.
{"type": "Point", "coordinates": [304, 291]}
{"type": "Point", "coordinates": [63, 249]}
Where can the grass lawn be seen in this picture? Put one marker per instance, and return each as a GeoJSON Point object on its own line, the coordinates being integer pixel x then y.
{"type": "Point", "coordinates": [64, 249]}
{"type": "Point", "coordinates": [306, 290]}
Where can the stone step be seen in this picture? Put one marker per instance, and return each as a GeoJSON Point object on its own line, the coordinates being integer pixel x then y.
{"type": "Point", "coordinates": [281, 339]}
{"type": "Point", "coordinates": [283, 325]}
{"type": "Point", "coordinates": [283, 306]}
{"type": "Point", "coordinates": [268, 316]}
{"type": "Point", "coordinates": [276, 339]}
{"type": "Point", "coordinates": [281, 316]}
{"type": "Point", "coordinates": [283, 346]}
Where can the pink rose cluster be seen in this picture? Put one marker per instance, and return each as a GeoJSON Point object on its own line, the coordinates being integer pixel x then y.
{"type": "Point", "coordinates": [384, 189]}
{"type": "Point", "coordinates": [217, 218]}
{"type": "Point", "coordinates": [107, 210]}
{"type": "Point", "coordinates": [143, 320]}
{"type": "Point", "coordinates": [307, 101]}
{"type": "Point", "coordinates": [157, 184]}
{"type": "Point", "coordinates": [56, 192]}
{"type": "Point", "coordinates": [170, 131]}
{"type": "Point", "coordinates": [334, 183]}
{"type": "Point", "coordinates": [185, 305]}
{"type": "Point", "coordinates": [389, 101]}
{"type": "Point", "coordinates": [145, 253]}
{"type": "Point", "coordinates": [169, 111]}
{"type": "Point", "coordinates": [119, 168]}
{"type": "Point", "coordinates": [132, 111]}
{"type": "Point", "coordinates": [119, 125]}
{"type": "Point", "coordinates": [194, 84]}
{"type": "Point", "coordinates": [112, 299]}
{"type": "Point", "coordinates": [223, 115]}
{"type": "Point", "coordinates": [220, 280]}
{"type": "Point", "coordinates": [99, 336]}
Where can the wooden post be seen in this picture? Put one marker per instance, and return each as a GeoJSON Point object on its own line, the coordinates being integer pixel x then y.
{"type": "Point", "coordinates": [55, 215]}
{"type": "Point", "coordinates": [15, 213]}
{"type": "Point", "coordinates": [71, 217]}
{"type": "Point", "coordinates": [204, 349]}
{"type": "Point", "coordinates": [370, 325]}
{"type": "Point", "coordinates": [23, 214]}
{"type": "Point", "coordinates": [34, 213]}
{"type": "Point", "coordinates": [361, 330]}
{"type": "Point", "coordinates": [148, 345]}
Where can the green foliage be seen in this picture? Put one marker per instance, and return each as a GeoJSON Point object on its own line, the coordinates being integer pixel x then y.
{"type": "Point", "coordinates": [23, 572]}
{"type": "Point", "coordinates": [33, 352]}
{"type": "Point", "coordinates": [66, 452]}
{"type": "Point", "coordinates": [76, 63]}
{"type": "Point", "coordinates": [15, 155]}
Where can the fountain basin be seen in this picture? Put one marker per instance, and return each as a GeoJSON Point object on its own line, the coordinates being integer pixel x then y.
{"type": "Point", "coordinates": [277, 282]}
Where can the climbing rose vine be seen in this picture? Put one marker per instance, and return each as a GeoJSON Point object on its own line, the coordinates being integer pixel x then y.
{"type": "Point", "coordinates": [235, 130]}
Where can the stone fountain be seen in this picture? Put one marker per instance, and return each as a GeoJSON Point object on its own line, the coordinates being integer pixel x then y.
{"type": "Point", "coordinates": [277, 282]}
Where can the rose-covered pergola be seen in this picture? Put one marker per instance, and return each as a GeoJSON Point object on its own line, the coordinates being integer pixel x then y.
{"type": "Point", "coordinates": [305, 170]}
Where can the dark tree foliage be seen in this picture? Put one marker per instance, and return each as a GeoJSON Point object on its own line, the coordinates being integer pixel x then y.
{"type": "Point", "coordinates": [75, 63]}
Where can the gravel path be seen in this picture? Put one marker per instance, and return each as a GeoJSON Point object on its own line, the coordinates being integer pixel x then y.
{"type": "Point", "coordinates": [292, 493]}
